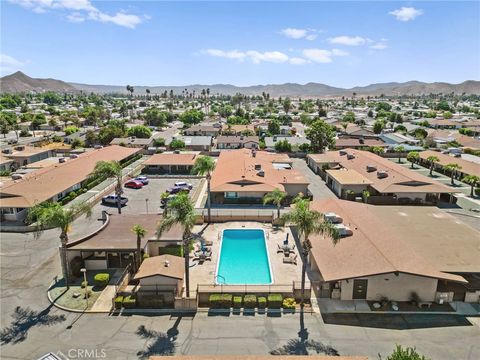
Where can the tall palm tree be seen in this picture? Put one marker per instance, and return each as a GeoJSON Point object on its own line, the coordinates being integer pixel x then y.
{"type": "Point", "coordinates": [181, 211]}
{"type": "Point", "coordinates": [471, 180]}
{"type": "Point", "coordinates": [276, 197]}
{"type": "Point", "coordinates": [452, 168]}
{"type": "Point", "coordinates": [432, 160]}
{"type": "Point", "coordinates": [413, 157]}
{"type": "Point", "coordinates": [54, 215]}
{"type": "Point", "coordinates": [204, 165]}
{"type": "Point", "coordinates": [140, 231]}
{"type": "Point", "coordinates": [108, 169]}
{"type": "Point", "coordinates": [309, 222]}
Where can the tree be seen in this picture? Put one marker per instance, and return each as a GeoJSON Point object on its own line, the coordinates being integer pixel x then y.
{"type": "Point", "coordinates": [177, 144]}
{"type": "Point", "coordinates": [432, 160]}
{"type": "Point", "coordinates": [321, 136]}
{"type": "Point", "coordinates": [54, 215]}
{"type": "Point", "coordinates": [180, 211]}
{"type": "Point", "coordinates": [273, 127]}
{"type": "Point", "coordinates": [69, 130]}
{"type": "Point", "coordinates": [205, 165]}
{"type": "Point", "coordinates": [471, 180]}
{"type": "Point", "coordinates": [140, 131]}
{"type": "Point", "coordinates": [287, 105]}
{"type": "Point", "coordinates": [309, 222]}
{"type": "Point", "coordinates": [452, 168]}
{"type": "Point", "coordinates": [349, 117]}
{"type": "Point", "coordinates": [77, 143]}
{"type": "Point", "coordinates": [378, 126]}
{"type": "Point", "coordinates": [405, 354]}
{"type": "Point", "coordinates": [110, 169]}
{"type": "Point", "coordinates": [283, 146]}
{"type": "Point", "coordinates": [377, 150]}
{"type": "Point", "coordinates": [155, 117]}
{"type": "Point", "coordinates": [276, 197]}
{"type": "Point", "coordinates": [413, 157]}
{"type": "Point", "coordinates": [191, 117]}
{"type": "Point", "coordinates": [400, 149]}
{"type": "Point", "coordinates": [140, 231]}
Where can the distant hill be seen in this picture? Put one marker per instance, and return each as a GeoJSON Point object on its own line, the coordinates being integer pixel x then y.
{"type": "Point", "coordinates": [19, 82]}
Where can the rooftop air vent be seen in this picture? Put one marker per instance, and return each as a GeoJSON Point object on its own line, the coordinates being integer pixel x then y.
{"type": "Point", "coordinates": [167, 263]}
{"type": "Point", "coordinates": [17, 176]}
{"type": "Point", "coordinates": [261, 173]}
{"type": "Point", "coordinates": [7, 151]}
{"type": "Point", "coordinates": [258, 167]}
{"type": "Point", "coordinates": [176, 151]}
{"type": "Point", "coordinates": [61, 160]}
{"type": "Point", "coordinates": [343, 230]}
{"type": "Point", "coordinates": [20, 148]}
{"type": "Point", "coordinates": [73, 156]}
{"type": "Point", "coordinates": [382, 174]}
{"type": "Point", "coordinates": [333, 218]}
{"type": "Point", "coordinates": [350, 156]}
{"type": "Point", "coordinates": [342, 152]}
{"type": "Point", "coordinates": [371, 168]}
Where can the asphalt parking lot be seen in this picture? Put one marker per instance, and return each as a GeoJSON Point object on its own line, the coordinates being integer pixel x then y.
{"type": "Point", "coordinates": [147, 199]}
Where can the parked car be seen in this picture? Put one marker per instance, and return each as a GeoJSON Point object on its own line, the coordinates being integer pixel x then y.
{"type": "Point", "coordinates": [143, 179]}
{"type": "Point", "coordinates": [112, 200]}
{"type": "Point", "coordinates": [134, 184]}
{"type": "Point", "coordinates": [184, 184]}
{"type": "Point", "coordinates": [177, 189]}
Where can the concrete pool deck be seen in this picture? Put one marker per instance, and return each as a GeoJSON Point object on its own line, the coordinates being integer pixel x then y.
{"type": "Point", "coordinates": [283, 274]}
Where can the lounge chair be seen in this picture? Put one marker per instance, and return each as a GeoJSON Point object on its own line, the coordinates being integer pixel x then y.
{"type": "Point", "coordinates": [206, 252]}
{"type": "Point", "coordinates": [285, 248]}
{"type": "Point", "coordinates": [202, 257]}
{"type": "Point", "coordinates": [290, 260]}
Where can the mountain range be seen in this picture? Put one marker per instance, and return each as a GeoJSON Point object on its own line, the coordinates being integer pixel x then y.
{"type": "Point", "coordinates": [19, 82]}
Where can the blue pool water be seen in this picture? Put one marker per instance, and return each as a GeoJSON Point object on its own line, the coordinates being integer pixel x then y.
{"type": "Point", "coordinates": [243, 258]}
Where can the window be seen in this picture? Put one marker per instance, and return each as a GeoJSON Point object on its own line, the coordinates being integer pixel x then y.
{"type": "Point", "coordinates": [231, 195]}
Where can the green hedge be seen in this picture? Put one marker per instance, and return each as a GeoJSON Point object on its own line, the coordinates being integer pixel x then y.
{"type": "Point", "coordinates": [220, 301]}
{"type": "Point", "coordinates": [262, 302]}
{"type": "Point", "coordinates": [289, 303]}
{"type": "Point", "coordinates": [237, 302]}
{"type": "Point", "coordinates": [176, 250]}
{"type": "Point", "coordinates": [129, 302]}
{"type": "Point", "coordinates": [118, 302]}
{"type": "Point", "coordinates": [275, 301]}
{"type": "Point", "coordinates": [250, 301]}
{"type": "Point", "coordinates": [102, 279]}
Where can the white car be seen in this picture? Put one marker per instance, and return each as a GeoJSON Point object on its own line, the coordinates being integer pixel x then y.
{"type": "Point", "coordinates": [112, 200]}
{"type": "Point", "coordinates": [183, 184]}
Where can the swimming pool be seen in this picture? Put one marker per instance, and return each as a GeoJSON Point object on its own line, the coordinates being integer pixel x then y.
{"type": "Point", "coordinates": [243, 258]}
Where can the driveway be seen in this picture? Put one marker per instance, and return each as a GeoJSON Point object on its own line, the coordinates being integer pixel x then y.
{"type": "Point", "coordinates": [317, 186]}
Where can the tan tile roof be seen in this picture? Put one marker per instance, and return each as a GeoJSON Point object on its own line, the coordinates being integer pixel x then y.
{"type": "Point", "coordinates": [235, 171]}
{"type": "Point", "coordinates": [372, 249]}
{"type": "Point", "coordinates": [172, 159]}
{"type": "Point", "coordinates": [356, 142]}
{"type": "Point", "coordinates": [468, 167]}
{"type": "Point", "coordinates": [236, 139]}
{"type": "Point", "coordinates": [45, 183]}
{"type": "Point", "coordinates": [348, 177]}
{"type": "Point", "coordinates": [400, 179]}
{"type": "Point", "coordinates": [27, 152]}
{"type": "Point", "coordinates": [164, 265]}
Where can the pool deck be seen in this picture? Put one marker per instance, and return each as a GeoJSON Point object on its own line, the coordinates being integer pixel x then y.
{"type": "Point", "coordinates": [283, 274]}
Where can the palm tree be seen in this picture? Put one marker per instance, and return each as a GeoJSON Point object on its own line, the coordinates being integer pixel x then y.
{"type": "Point", "coordinates": [276, 197]}
{"type": "Point", "coordinates": [309, 222]}
{"type": "Point", "coordinates": [140, 231]}
{"type": "Point", "coordinates": [471, 180]}
{"type": "Point", "coordinates": [54, 215]}
{"type": "Point", "coordinates": [204, 165]}
{"type": "Point", "coordinates": [413, 157]}
{"type": "Point", "coordinates": [108, 169]}
{"type": "Point", "coordinates": [180, 210]}
{"type": "Point", "coordinates": [452, 169]}
{"type": "Point", "coordinates": [432, 160]}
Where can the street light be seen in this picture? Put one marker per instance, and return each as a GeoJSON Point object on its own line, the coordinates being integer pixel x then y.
{"type": "Point", "coordinates": [84, 271]}
{"type": "Point", "coordinates": [146, 204]}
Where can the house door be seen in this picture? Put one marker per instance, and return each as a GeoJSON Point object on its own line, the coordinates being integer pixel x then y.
{"type": "Point", "coordinates": [360, 289]}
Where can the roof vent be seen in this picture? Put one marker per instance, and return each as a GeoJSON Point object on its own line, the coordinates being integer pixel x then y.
{"type": "Point", "coordinates": [258, 167]}
{"type": "Point", "coordinates": [333, 218]}
{"type": "Point", "coordinates": [343, 230]}
{"type": "Point", "coordinates": [7, 151]}
{"type": "Point", "coordinates": [350, 156]}
{"type": "Point", "coordinates": [176, 151]}
{"type": "Point", "coordinates": [342, 152]}
{"type": "Point", "coordinates": [261, 173]}
{"type": "Point", "coordinates": [167, 263]}
{"type": "Point", "coordinates": [20, 148]}
{"type": "Point", "coordinates": [17, 176]}
{"type": "Point", "coordinates": [361, 141]}
{"type": "Point", "coordinates": [241, 137]}
{"type": "Point", "coordinates": [371, 168]}
{"type": "Point", "coordinates": [61, 160]}
{"type": "Point", "coordinates": [382, 174]}
{"type": "Point", "coordinates": [73, 156]}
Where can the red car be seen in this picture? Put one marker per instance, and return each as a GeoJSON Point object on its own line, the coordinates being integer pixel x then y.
{"type": "Point", "coordinates": [134, 184]}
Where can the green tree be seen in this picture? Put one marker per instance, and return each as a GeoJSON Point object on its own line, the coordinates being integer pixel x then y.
{"type": "Point", "coordinates": [413, 157]}
{"type": "Point", "coordinates": [405, 354]}
{"type": "Point", "coordinates": [309, 222]}
{"type": "Point", "coordinates": [378, 126]}
{"type": "Point", "coordinates": [283, 146]}
{"type": "Point", "coordinates": [180, 211]}
{"type": "Point", "coordinates": [191, 117]}
{"type": "Point", "coordinates": [275, 197]}
{"type": "Point", "coordinates": [400, 149]}
{"type": "Point", "coordinates": [452, 168]}
{"type": "Point", "coordinates": [432, 160]}
{"type": "Point", "coordinates": [204, 165]}
{"type": "Point", "coordinates": [177, 144]}
{"type": "Point", "coordinates": [54, 215]}
{"type": "Point", "coordinates": [273, 127]}
{"type": "Point", "coordinates": [77, 143]}
{"type": "Point", "coordinates": [140, 131]}
{"type": "Point", "coordinates": [51, 98]}
{"type": "Point", "coordinates": [69, 130]}
{"type": "Point", "coordinates": [140, 231]}
{"type": "Point", "coordinates": [349, 117]}
{"type": "Point", "coordinates": [287, 105]}
{"type": "Point", "coordinates": [110, 169]}
{"type": "Point", "coordinates": [471, 180]}
{"type": "Point", "coordinates": [321, 136]}
{"type": "Point", "coordinates": [447, 115]}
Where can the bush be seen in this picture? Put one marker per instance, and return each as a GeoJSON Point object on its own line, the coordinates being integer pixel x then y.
{"type": "Point", "coordinates": [220, 301]}
{"type": "Point", "coordinates": [275, 301]}
{"type": "Point", "coordinates": [118, 302]}
{"type": "Point", "coordinates": [477, 191]}
{"type": "Point", "coordinates": [237, 302]}
{"type": "Point", "coordinates": [176, 250]}
{"type": "Point", "coordinates": [129, 302]}
{"type": "Point", "coordinates": [102, 279]}
{"type": "Point", "coordinates": [84, 284]}
{"type": "Point", "coordinates": [405, 354]}
{"type": "Point", "coordinates": [262, 302]}
{"type": "Point", "coordinates": [250, 301]}
{"type": "Point", "coordinates": [289, 303]}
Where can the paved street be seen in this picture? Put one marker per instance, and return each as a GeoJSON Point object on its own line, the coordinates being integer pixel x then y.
{"type": "Point", "coordinates": [317, 186]}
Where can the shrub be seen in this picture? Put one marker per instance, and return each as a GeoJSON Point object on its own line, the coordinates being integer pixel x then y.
{"type": "Point", "coordinates": [405, 354]}
{"type": "Point", "coordinates": [84, 284]}
{"type": "Point", "coordinates": [118, 302]}
{"type": "Point", "coordinates": [275, 301]}
{"type": "Point", "coordinates": [250, 301]}
{"type": "Point", "coordinates": [262, 302]}
{"type": "Point", "coordinates": [129, 302]}
{"type": "Point", "coordinates": [237, 302]}
{"type": "Point", "coordinates": [176, 250]}
{"type": "Point", "coordinates": [102, 279]}
{"type": "Point", "coordinates": [289, 303]}
{"type": "Point", "coordinates": [220, 301]}
{"type": "Point", "coordinates": [477, 191]}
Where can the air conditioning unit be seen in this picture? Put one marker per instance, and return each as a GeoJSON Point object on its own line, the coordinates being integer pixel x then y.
{"type": "Point", "coordinates": [342, 152]}
{"type": "Point", "coordinates": [261, 173]}
{"type": "Point", "coordinates": [350, 156]}
{"type": "Point", "coordinates": [258, 167]}
{"type": "Point", "coordinates": [382, 174]}
{"type": "Point", "coordinates": [371, 168]}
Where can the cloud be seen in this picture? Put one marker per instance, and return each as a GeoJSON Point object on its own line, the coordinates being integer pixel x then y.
{"type": "Point", "coordinates": [9, 64]}
{"type": "Point", "coordinates": [378, 46]}
{"type": "Point", "coordinates": [406, 13]}
{"type": "Point", "coordinates": [337, 52]}
{"type": "Point", "coordinates": [318, 55]}
{"type": "Point", "coordinates": [233, 54]}
{"type": "Point", "coordinates": [298, 61]}
{"type": "Point", "coordinates": [81, 10]}
{"type": "Point", "coordinates": [348, 40]}
{"type": "Point", "coordinates": [292, 33]}
{"type": "Point", "coordinates": [253, 55]}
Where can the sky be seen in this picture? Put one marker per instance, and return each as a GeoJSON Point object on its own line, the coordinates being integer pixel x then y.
{"type": "Point", "coordinates": [149, 43]}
